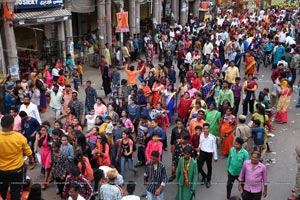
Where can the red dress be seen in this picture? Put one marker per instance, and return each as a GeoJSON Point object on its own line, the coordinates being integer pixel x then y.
{"type": "Point", "coordinates": [184, 108]}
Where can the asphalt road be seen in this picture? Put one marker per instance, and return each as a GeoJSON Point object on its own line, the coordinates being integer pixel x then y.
{"type": "Point", "coordinates": [281, 172]}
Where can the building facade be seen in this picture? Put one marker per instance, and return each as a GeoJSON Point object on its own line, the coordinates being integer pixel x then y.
{"type": "Point", "coordinates": [43, 31]}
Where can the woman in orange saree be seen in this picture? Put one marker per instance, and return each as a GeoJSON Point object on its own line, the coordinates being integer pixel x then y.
{"type": "Point", "coordinates": [227, 127]}
{"type": "Point", "coordinates": [157, 90]}
{"type": "Point", "coordinates": [250, 64]}
{"type": "Point", "coordinates": [281, 115]}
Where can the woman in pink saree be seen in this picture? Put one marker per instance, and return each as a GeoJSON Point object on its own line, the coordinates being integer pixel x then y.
{"type": "Point", "coordinates": [281, 115]}
{"type": "Point", "coordinates": [47, 76]}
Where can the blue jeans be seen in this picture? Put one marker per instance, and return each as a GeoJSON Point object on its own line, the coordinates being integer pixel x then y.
{"type": "Point", "coordinates": [298, 102]}
{"type": "Point", "coordinates": [123, 160]}
{"type": "Point", "coordinates": [151, 196]}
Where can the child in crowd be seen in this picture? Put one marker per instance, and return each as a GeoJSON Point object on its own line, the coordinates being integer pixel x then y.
{"type": "Point", "coordinates": [66, 148]}
{"type": "Point", "coordinates": [92, 138]}
{"type": "Point", "coordinates": [258, 134]}
{"type": "Point", "coordinates": [154, 145]}
{"type": "Point", "coordinates": [76, 78]}
{"type": "Point", "coordinates": [80, 71]}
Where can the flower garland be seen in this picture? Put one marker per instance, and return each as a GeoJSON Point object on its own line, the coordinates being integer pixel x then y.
{"type": "Point", "coordinates": [185, 171]}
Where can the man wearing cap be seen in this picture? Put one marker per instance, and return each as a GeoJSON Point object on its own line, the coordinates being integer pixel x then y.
{"type": "Point", "coordinates": [110, 190]}
{"type": "Point", "coordinates": [244, 131]}
{"type": "Point", "coordinates": [13, 146]}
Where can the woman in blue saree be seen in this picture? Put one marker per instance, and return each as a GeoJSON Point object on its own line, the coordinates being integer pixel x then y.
{"type": "Point", "coordinates": [169, 98]}
{"type": "Point", "coordinates": [9, 98]}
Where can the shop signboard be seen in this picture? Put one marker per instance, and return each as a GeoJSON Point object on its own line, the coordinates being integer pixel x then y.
{"type": "Point", "coordinates": [33, 4]}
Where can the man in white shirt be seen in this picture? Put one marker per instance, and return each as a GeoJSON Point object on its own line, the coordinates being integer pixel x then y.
{"type": "Point", "coordinates": [119, 180]}
{"type": "Point", "coordinates": [188, 59]}
{"type": "Point", "coordinates": [31, 109]}
{"type": "Point", "coordinates": [289, 40]}
{"type": "Point", "coordinates": [207, 48]}
{"type": "Point", "coordinates": [130, 190]}
{"type": "Point", "coordinates": [73, 192]}
{"type": "Point", "coordinates": [56, 97]}
{"type": "Point", "coordinates": [208, 151]}
{"type": "Point", "coordinates": [55, 73]}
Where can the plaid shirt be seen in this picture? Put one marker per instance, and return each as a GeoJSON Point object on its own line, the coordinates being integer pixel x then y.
{"type": "Point", "coordinates": [85, 189]}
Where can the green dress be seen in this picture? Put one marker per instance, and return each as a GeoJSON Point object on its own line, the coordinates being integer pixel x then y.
{"type": "Point", "coordinates": [213, 118]}
{"type": "Point", "coordinates": [183, 192]}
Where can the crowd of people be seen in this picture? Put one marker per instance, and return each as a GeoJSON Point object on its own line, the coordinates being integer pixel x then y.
{"type": "Point", "coordinates": [199, 85]}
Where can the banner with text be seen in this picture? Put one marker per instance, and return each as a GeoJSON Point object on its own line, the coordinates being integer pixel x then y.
{"type": "Point", "coordinates": [31, 4]}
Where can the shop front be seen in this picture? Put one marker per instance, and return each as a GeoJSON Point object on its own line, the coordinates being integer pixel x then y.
{"type": "Point", "coordinates": [40, 32]}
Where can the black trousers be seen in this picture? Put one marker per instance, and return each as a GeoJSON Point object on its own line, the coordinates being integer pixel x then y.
{"type": "Point", "coordinates": [230, 181]}
{"type": "Point", "coordinates": [14, 179]}
{"type": "Point", "coordinates": [205, 157]}
{"type": "Point", "coordinates": [141, 154]}
{"type": "Point", "coordinates": [245, 106]}
{"type": "Point", "coordinates": [60, 183]}
{"type": "Point", "coordinates": [237, 101]}
{"type": "Point", "coordinates": [251, 196]}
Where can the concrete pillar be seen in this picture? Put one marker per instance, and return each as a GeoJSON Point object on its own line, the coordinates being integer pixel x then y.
{"type": "Point", "coordinates": [138, 17]}
{"type": "Point", "coordinates": [9, 42]}
{"type": "Point", "coordinates": [132, 16]}
{"type": "Point", "coordinates": [183, 12]}
{"type": "Point", "coordinates": [62, 37]}
{"type": "Point", "coordinates": [108, 22]}
{"type": "Point", "coordinates": [196, 8]}
{"type": "Point", "coordinates": [3, 69]}
{"type": "Point", "coordinates": [160, 9]}
{"type": "Point", "coordinates": [69, 30]}
{"type": "Point", "coordinates": [175, 9]}
{"type": "Point", "coordinates": [155, 11]}
{"type": "Point", "coordinates": [101, 24]}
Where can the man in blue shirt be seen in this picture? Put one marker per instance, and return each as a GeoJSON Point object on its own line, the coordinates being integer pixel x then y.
{"type": "Point", "coordinates": [29, 128]}
{"type": "Point", "coordinates": [156, 128]}
{"type": "Point", "coordinates": [258, 134]}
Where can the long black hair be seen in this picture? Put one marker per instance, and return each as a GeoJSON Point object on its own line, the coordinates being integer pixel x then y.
{"type": "Point", "coordinates": [79, 158]}
{"type": "Point", "coordinates": [103, 141]}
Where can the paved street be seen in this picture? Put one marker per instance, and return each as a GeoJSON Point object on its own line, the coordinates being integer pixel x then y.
{"type": "Point", "coordinates": [281, 172]}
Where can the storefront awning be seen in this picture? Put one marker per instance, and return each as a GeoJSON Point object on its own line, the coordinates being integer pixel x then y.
{"type": "Point", "coordinates": [41, 17]}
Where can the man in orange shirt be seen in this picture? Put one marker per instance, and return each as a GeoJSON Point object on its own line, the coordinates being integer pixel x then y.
{"type": "Point", "coordinates": [132, 75]}
{"type": "Point", "coordinates": [198, 121]}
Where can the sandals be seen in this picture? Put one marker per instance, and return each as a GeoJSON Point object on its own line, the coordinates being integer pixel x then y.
{"type": "Point", "coordinates": [31, 167]}
{"type": "Point", "coordinates": [44, 186]}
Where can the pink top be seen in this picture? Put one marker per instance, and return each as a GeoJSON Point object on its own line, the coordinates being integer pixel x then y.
{"type": "Point", "coordinates": [17, 123]}
{"type": "Point", "coordinates": [100, 109]}
{"type": "Point", "coordinates": [253, 178]}
{"type": "Point", "coordinates": [128, 124]}
{"type": "Point", "coordinates": [151, 146]}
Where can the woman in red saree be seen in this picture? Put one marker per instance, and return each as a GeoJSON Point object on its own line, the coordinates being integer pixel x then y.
{"type": "Point", "coordinates": [281, 115]}
{"type": "Point", "coordinates": [250, 64]}
{"type": "Point", "coordinates": [227, 127]}
{"type": "Point", "coordinates": [184, 107]}
{"type": "Point", "coordinates": [157, 90]}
